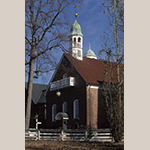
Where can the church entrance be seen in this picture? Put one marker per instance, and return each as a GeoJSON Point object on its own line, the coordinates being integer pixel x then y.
{"type": "Point", "coordinates": [64, 117]}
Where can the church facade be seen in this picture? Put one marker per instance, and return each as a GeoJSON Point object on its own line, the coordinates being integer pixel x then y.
{"type": "Point", "coordinates": [73, 96]}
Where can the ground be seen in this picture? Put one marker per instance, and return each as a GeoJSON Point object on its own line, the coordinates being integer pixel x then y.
{"type": "Point", "coordinates": [66, 145]}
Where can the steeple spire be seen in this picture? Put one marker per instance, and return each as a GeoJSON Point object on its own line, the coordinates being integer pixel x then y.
{"type": "Point", "coordinates": [76, 40]}
{"type": "Point", "coordinates": [89, 46]}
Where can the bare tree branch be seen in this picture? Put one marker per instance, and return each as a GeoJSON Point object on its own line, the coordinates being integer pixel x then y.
{"type": "Point", "coordinates": [114, 97]}
{"type": "Point", "coordinates": [28, 40]}
{"type": "Point", "coordinates": [28, 26]}
{"type": "Point", "coordinates": [46, 29]}
{"type": "Point", "coordinates": [42, 52]}
{"type": "Point", "coordinates": [44, 71]}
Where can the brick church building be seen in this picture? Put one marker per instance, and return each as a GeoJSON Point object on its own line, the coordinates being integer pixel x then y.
{"type": "Point", "coordinates": [73, 96]}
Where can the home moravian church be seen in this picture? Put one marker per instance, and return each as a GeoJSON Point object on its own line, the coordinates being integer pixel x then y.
{"type": "Point", "coordinates": [73, 96]}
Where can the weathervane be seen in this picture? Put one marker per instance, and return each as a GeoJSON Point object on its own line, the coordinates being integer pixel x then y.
{"type": "Point", "coordinates": [76, 14]}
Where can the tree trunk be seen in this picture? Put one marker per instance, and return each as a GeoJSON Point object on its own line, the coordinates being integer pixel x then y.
{"type": "Point", "coordinates": [119, 118]}
{"type": "Point", "coordinates": [29, 97]}
{"type": "Point", "coordinates": [30, 87]}
{"type": "Point", "coordinates": [115, 26]}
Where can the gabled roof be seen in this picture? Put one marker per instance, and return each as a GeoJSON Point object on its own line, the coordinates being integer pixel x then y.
{"type": "Point", "coordinates": [92, 70]}
{"type": "Point", "coordinates": [38, 93]}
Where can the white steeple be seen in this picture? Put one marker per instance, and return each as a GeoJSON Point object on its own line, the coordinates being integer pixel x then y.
{"type": "Point", "coordinates": [76, 40]}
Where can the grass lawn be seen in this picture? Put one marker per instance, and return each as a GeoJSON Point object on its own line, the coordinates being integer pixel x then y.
{"type": "Point", "coordinates": [70, 145]}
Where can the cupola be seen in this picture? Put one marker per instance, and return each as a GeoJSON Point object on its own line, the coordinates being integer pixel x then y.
{"type": "Point", "coordinates": [76, 40]}
{"type": "Point", "coordinates": [90, 54]}
{"type": "Point", "coordinates": [75, 29]}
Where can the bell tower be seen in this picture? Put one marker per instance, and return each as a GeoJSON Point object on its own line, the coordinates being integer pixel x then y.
{"type": "Point", "coordinates": [76, 40]}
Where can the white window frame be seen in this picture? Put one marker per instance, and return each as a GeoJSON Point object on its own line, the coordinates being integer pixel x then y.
{"type": "Point", "coordinates": [63, 108]}
{"type": "Point", "coordinates": [75, 109]}
{"type": "Point", "coordinates": [54, 111]}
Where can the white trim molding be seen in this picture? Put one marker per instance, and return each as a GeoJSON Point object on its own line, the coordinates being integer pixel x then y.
{"type": "Point", "coordinates": [97, 87]}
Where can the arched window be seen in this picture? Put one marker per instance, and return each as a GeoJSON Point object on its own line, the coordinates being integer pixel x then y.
{"type": "Point", "coordinates": [76, 108]}
{"type": "Point", "coordinates": [79, 39]}
{"type": "Point", "coordinates": [65, 76]}
{"type": "Point", "coordinates": [54, 111]}
{"type": "Point", "coordinates": [74, 39]}
{"type": "Point", "coordinates": [65, 107]}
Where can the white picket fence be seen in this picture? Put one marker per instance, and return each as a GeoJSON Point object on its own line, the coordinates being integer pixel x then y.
{"type": "Point", "coordinates": [68, 135]}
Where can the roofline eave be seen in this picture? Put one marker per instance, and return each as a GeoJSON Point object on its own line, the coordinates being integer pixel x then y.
{"type": "Point", "coordinates": [54, 74]}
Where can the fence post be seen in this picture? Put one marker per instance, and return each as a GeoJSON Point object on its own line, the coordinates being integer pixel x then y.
{"type": "Point", "coordinates": [86, 135]}
{"type": "Point", "coordinates": [38, 134]}
{"type": "Point", "coordinates": [62, 135]}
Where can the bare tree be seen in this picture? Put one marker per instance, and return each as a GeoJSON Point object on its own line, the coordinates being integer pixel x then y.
{"type": "Point", "coordinates": [46, 26]}
{"type": "Point", "coordinates": [113, 92]}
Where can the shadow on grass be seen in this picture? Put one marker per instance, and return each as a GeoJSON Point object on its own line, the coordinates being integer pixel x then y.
{"type": "Point", "coordinates": [66, 145]}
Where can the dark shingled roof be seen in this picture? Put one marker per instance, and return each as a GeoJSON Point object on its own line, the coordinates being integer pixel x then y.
{"type": "Point", "coordinates": [38, 93]}
{"type": "Point", "coordinates": [92, 70]}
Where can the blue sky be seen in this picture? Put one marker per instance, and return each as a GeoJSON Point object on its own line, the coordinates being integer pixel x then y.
{"type": "Point", "coordinates": [93, 23]}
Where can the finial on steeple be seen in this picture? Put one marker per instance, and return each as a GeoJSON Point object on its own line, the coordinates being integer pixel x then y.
{"type": "Point", "coordinates": [76, 14]}
{"type": "Point", "coordinates": [89, 46]}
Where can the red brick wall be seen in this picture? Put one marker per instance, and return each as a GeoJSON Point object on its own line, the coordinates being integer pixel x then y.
{"type": "Point", "coordinates": [96, 113]}
{"type": "Point", "coordinates": [92, 107]}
